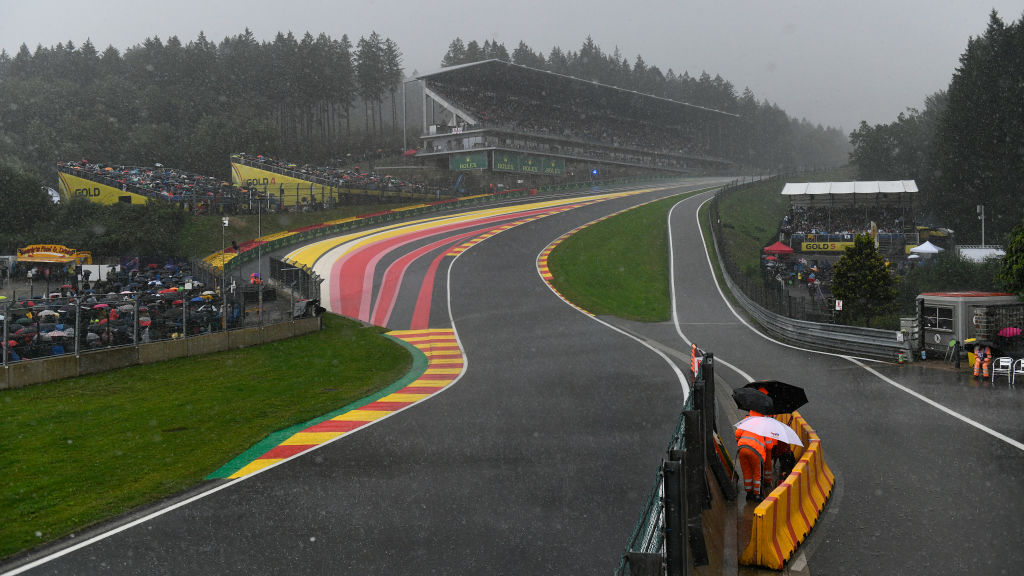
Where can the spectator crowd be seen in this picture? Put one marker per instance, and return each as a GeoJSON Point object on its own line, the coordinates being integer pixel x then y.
{"type": "Point", "coordinates": [842, 223]}
{"type": "Point", "coordinates": [142, 305]}
{"type": "Point", "coordinates": [576, 118]}
{"type": "Point", "coordinates": [353, 178]}
{"type": "Point", "coordinates": [200, 192]}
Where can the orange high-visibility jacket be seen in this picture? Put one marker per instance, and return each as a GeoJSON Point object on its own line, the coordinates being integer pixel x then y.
{"type": "Point", "coordinates": [760, 444]}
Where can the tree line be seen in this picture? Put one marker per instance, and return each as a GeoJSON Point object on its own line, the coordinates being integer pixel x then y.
{"type": "Point", "coordinates": [765, 136]}
{"type": "Point", "coordinates": [190, 105]}
{"type": "Point", "coordinates": [966, 147]}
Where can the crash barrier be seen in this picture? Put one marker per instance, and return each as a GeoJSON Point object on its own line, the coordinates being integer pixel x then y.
{"type": "Point", "coordinates": [785, 517]}
{"type": "Point", "coordinates": [18, 374]}
{"type": "Point", "coordinates": [668, 537]}
{"type": "Point", "coordinates": [839, 338]}
{"type": "Point", "coordinates": [582, 184]}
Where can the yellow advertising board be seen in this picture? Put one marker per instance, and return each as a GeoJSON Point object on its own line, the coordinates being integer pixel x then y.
{"type": "Point", "coordinates": [72, 186]}
{"type": "Point", "coordinates": [53, 253]}
{"type": "Point", "coordinates": [288, 189]}
{"type": "Point", "coordinates": [292, 191]}
{"type": "Point", "coordinates": [825, 246]}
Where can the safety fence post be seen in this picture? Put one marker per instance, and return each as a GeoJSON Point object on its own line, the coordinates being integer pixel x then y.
{"type": "Point", "coordinates": [708, 427]}
{"type": "Point", "coordinates": [675, 515]}
{"type": "Point", "coordinates": [697, 490]}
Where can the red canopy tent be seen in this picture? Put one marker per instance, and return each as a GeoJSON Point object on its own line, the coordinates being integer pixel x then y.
{"type": "Point", "coordinates": [778, 248]}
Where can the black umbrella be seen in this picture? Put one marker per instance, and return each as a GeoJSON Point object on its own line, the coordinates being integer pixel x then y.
{"type": "Point", "coordinates": [751, 399]}
{"type": "Point", "coordinates": [786, 397]}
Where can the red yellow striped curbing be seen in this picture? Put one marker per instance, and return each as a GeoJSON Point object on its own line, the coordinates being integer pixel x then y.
{"type": "Point", "coordinates": [444, 364]}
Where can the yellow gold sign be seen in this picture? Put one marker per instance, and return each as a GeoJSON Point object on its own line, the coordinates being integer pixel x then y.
{"type": "Point", "coordinates": [825, 246]}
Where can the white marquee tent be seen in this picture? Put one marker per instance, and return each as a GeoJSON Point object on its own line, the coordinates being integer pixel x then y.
{"type": "Point", "coordinates": [844, 193]}
{"type": "Point", "coordinates": [926, 248]}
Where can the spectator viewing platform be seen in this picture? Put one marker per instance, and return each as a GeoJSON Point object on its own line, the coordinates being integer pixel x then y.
{"type": "Point", "coordinates": [826, 216]}
{"type": "Point", "coordinates": [111, 184]}
{"type": "Point", "coordinates": [307, 186]}
{"type": "Point", "coordinates": [510, 118]}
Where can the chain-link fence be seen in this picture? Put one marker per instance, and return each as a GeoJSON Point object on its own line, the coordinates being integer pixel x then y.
{"type": "Point", "coordinates": [159, 310]}
{"type": "Point", "coordinates": [772, 291]}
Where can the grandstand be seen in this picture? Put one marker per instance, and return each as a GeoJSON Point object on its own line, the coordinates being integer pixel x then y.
{"type": "Point", "coordinates": [112, 184]}
{"type": "Point", "coordinates": [307, 186]}
{"type": "Point", "coordinates": [825, 217]}
{"type": "Point", "coordinates": [505, 118]}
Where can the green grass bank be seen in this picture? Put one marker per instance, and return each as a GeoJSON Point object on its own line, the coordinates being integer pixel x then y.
{"type": "Point", "coordinates": [83, 450]}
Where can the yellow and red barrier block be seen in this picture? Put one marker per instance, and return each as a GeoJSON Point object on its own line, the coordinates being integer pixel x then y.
{"type": "Point", "coordinates": [786, 516]}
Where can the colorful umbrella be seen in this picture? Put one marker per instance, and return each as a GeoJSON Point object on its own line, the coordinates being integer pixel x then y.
{"type": "Point", "coordinates": [1009, 332]}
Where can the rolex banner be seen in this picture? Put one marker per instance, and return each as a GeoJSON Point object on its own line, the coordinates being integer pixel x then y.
{"type": "Point", "coordinates": [507, 162]}
{"type": "Point", "coordinates": [468, 161]}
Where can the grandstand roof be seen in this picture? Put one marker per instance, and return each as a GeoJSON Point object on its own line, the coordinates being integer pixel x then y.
{"type": "Point", "coordinates": [523, 78]}
{"type": "Point", "coordinates": [822, 188]}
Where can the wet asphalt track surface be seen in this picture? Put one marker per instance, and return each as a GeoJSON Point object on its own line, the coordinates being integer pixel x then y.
{"type": "Point", "coordinates": [539, 459]}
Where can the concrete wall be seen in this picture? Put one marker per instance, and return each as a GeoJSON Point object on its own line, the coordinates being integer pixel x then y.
{"type": "Point", "coordinates": [28, 372]}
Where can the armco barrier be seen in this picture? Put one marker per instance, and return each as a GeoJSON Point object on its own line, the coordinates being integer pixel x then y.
{"type": "Point", "coordinates": [868, 342]}
{"type": "Point", "coordinates": [786, 516]}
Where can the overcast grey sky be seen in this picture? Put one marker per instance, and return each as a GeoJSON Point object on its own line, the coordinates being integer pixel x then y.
{"type": "Point", "coordinates": [833, 62]}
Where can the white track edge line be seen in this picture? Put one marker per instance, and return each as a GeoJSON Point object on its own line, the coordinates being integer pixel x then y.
{"type": "Point", "coordinates": [855, 360]}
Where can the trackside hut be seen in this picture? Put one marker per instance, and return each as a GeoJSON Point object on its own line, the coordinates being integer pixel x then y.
{"type": "Point", "coordinates": [948, 316]}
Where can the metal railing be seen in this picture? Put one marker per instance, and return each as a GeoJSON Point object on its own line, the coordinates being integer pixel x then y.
{"type": "Point", "coordinates": [800, 324]}
{"type": "Point", "coordinates": [668, 537]}
{"type": "Point", "coordinates": [81, 322]}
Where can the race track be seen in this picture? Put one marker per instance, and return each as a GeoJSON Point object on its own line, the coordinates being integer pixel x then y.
{"type": "Point", "coordinates": [538, 456]}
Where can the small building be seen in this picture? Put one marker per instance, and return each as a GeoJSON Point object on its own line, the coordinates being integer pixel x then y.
{"type": "Point", "coordinates": [948, 316]}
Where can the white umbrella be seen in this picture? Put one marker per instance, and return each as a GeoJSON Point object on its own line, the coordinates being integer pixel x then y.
{"type": "Point", "coordinates": [771, 428]}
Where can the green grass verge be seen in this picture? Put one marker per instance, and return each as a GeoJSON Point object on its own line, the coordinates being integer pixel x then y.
{"type": "Point", "coordinates": [751, 216]}
{"type": "Point", "coordinates": [619, 266]}
{"type": "Point", "coordinates": [79, 451]}
{"type": "Point", "coordinates": [750, 220]}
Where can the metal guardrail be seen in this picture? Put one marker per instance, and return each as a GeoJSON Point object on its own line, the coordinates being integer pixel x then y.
{"type": "Point", "coordinates": [838, 338]}
{"type": "Point", "coordinates": [668, 537]}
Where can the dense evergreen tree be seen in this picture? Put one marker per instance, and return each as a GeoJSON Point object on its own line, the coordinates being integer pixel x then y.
{"type": "Point", "coordinates": [900, 150]}
{"type": "Point", "coordinates": [978, 155]}
{"type": "Point", "coordinates": [164, 100]}
{"type": "Point", "coordinates": [863, 282]}
{"type": "Point", "coordinates": [965, 147]}
{"type": "Point", "coordinates": [1011, 274]}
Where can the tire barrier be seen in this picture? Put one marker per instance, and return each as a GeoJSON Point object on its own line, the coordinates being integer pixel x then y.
{"type": "Point", "coordinates": [786, 516]}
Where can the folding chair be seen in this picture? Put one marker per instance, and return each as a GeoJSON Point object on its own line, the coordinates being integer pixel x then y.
{"type": "Point", "coordinates": [1004, 366]}
{"type": "Point", "coordinates": [1017, 370]}
{"type": "Point", "coordinates": [951, 351]}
